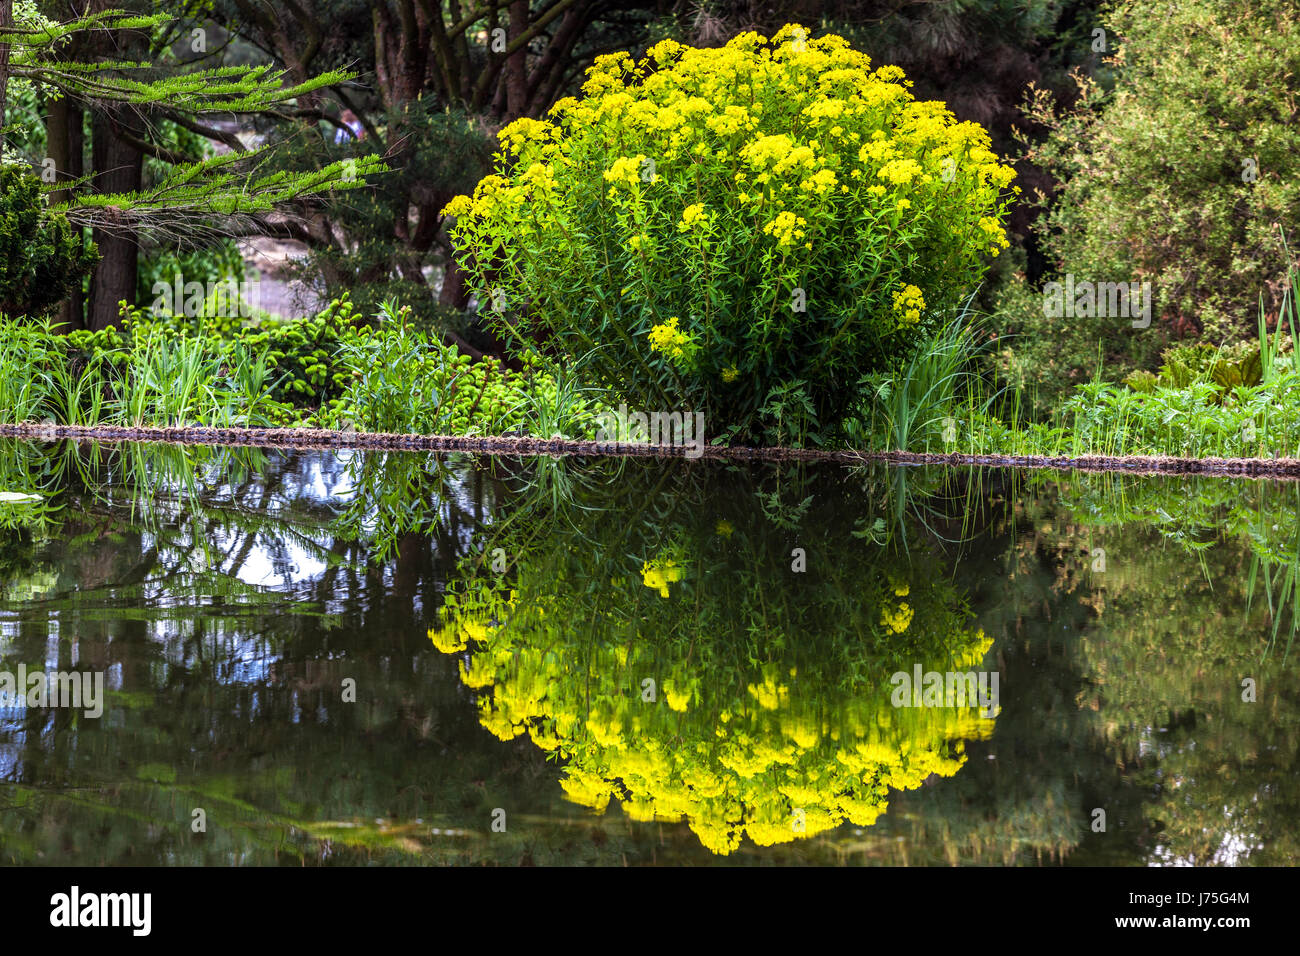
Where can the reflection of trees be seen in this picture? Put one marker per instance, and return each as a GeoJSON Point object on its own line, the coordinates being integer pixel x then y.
{"type": "Point", "coordinates": [1188, 614]}
{"type": "Point", "coordinates": [771, 713]}
{"type": "Point", "coordinates": [227, 602]}
{"type": "Point", "coordinates": [1122, 687]}
{"type": "Point", "coordinates": [1025, 795]}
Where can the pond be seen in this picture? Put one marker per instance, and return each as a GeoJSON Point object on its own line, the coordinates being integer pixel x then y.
{"type": "Point", "coordinates": [288, 657]}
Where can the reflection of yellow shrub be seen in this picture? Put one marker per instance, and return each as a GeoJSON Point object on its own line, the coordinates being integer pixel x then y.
{"type": "Point", "coordinates": [658, 574]}
{"type": "Point", "coordinates": [896, 619]}
{"type": "Point", "coordinates": [777, 757]}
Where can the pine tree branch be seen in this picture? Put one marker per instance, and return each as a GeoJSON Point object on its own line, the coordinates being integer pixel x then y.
{"type": "Point", "coordinates": [211, 132]}
{"type": "Point", "coordinates": [211, 195]}
{"type": "Point", "coordinates": [157, 151]}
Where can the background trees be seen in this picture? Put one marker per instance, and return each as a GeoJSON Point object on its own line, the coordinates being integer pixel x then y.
{"type": "Point", "coordinates": [119, 77]}
{"type": "Point", "coordinates": [437, 79]}
{"type": "Point", "coordinates": [1183, 174]}
{"type": "Point", "coordinates": [429, 83]}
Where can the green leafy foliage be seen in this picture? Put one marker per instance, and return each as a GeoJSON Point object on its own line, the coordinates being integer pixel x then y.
{"type": "Point", "coordinates": [1226, 369]}
{"type": "Point", "coordinates": [1179, 176]}
{"type": "Point", "coordinates": [335, 369]}
{"type": "Point", "coordinates": [41, 259]}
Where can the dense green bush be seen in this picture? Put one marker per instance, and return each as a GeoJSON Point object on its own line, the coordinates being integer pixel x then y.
{"type": "Point", "coordinates": [737, 231]}
{"type": "Point", "coordinates": [41, 258]}
{"type": "Point", "coordinates": [302, 352]}
{"type": "Point", "coordinates": [1179, 176]}
{"type": "Point", "coordinates": [403, 381]}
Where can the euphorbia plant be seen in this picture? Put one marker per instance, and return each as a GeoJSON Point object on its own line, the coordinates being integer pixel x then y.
{"type": "Point", "coordinates": [705, 226]}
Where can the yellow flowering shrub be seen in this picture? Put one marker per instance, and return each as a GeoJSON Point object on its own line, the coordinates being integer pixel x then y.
{"type": "Point", "coordinates": [774, 196]}
{"type": "Point", "coordinates": [669, 340]}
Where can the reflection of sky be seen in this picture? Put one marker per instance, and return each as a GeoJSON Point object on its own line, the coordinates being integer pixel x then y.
{"type": "Point", "coordinates": [1234, 849]}
{"type": "Point", "coordinates": [317, 485]}
{"type": "Point", "coordinates": [210, 556]}
{"type": "Point", "coordinates": [262, 570]}
{"type": "Point", "coordinates": [12, 744]}
{"type": "Point", "coordinates": [237, 655]}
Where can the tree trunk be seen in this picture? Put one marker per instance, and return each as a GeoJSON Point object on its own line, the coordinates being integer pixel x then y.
{"type": "Point", "coordinates": [517, 64]}
{"type": "Point", "coordinates": [65, 141]}
{"type": "Point", "coordinates": [118, 169]}
{"type": "Point", "coordinates": [454, 292]}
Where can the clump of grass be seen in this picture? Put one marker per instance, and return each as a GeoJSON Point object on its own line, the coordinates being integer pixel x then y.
{"type": "Point", "coordinates": [933, 401]}
{"type": "Point", "coordinates": [30, 364]}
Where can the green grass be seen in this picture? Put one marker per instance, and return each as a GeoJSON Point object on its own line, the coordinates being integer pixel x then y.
{"type": "Point", "coordinates": [394, 378]}
{"type": "Point", "coordinates": [933, 401]}
{"type": "Point", "coordinates": [1198, 418]}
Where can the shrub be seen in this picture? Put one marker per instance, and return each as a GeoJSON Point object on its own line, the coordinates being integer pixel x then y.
{"type": "Point", "coordinates": [709, 226]}
{"type": "Point", "coordinates": [404, 381]}
{"type": "Point", "coordinates": [41, 258]}
{"type": "Point", "coordinates": [302, 352]}
{"type": "Point", "coordinates": [1179, 176]}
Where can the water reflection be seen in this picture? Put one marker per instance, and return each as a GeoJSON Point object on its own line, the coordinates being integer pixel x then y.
{"type": "Point", "coordinates": [688, 656]}
{"type": "Point", "coordinates": [230, 597]}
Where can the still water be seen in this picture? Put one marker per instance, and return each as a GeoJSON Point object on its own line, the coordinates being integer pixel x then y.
{"type": "Point", "coordinates": [396, 658]}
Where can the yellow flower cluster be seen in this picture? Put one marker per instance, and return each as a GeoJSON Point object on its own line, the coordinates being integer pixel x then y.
{"type": "Point", "coordinates": [900, 172]}
{"type": "Point", "coordinates": [459, 206]}
{"type": "Point", "coordinates": [994, 235]}
{"type": "Point", "coordinates": [820, 182]}
{"type": "Point", "coordinates": [670, 340]}
{"type": "Point", "coordinates": [626, 170]}
{"type": "Point", "coordinates": [522, 131]}
{"type": "Point", "coordinates": [786, 228]}
{"type": "Point", "coordinates": [730, 374]}
{"type": "Point", "coordinates": [692, 216]}
{"type": "Point", "coordinates": [896, 619]}
{"type": "Point", "coordinates": [908, 303]}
